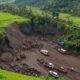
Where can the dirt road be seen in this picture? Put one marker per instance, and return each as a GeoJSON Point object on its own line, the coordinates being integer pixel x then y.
{"type": "Point", "coordinates": [54, 56]}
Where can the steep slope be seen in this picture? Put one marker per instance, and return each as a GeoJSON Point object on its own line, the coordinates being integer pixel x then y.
{"type": "Point", "coordinates": [5, 20]}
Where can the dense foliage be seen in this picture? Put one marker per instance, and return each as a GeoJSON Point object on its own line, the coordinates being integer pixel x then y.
{"type": "Point", "coordinates": [42, 20]}
{"type": "Point", "coordinates": [72, 38]}
{"type": "Point", "coordinates": [6, 19]}
{"type": "Point", "coordinates": [34, 3]}
{"type": "Point", "coordinates": [69, 6]}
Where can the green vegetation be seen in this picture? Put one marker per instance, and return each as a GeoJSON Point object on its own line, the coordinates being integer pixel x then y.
{"type": "Point", "coordinates": [2, 29]}
{"type": "Point", "coordinates": [39, 19]}
{"type": "Point", "coordinates": [74, 19]}
{"type": "Point", "coordinates": [72, 36]}
{"type": "Point", "coordinates": [72, 39]}
{"type": "Point", "coordinates": [69, 6]}
{"type": "Point", "coordinates": [6, 19]}
{"type": "Point", "coordinates": [39, 3]}
{"type": "Point", "coordinates": [6, 75]}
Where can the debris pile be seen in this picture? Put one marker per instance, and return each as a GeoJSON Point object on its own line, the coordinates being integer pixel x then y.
{"type": "Point", "coordinates": [27, 44]}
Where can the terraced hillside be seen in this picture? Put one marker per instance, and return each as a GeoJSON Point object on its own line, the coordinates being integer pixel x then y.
{"type": "Point", "coordinates": [7, 18]}
{"type": "Point", "coordinates": [74, 19]}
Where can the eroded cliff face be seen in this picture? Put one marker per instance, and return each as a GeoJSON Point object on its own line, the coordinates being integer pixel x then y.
{"type": "Point", "coordinates": [41, 30]}
{"type": "Point", "coordinates": [4, 44]}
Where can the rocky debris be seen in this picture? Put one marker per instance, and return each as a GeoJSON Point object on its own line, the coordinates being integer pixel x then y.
{"type": "Point", "coordinates": [4, 44]}
{"type": "Point", "coordinates": [15, 36]}
{"type": "Point", "coordinates": [20, 57]}
{"type": "Point", "coordinates": [27, 44]}
{"type": "Point", "coordinates": [6, 57]}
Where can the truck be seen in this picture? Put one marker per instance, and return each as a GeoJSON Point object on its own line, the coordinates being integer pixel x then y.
{"type": "Point", "coordinates": [44, 52]}
{"type": "Point", "coordinates": [46, 64]}
{"type": "Point", "coordinates": [63, 70]}
{"type": "Point", "coordinates": [61, 50]}
{"type": "Point", "coordinates": [54, 74]}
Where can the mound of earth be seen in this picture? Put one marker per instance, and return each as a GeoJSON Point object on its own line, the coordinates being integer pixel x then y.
{"type": "Point", "coordinates": [24, 50]}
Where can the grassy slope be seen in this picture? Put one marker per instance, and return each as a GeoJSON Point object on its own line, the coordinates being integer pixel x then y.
{"type": "Point", "coordinates": [65, 16]}
{"type": "Point", "coordinates": [74, 19]}
{"type": "Point", "coordinates": [37, 11]}
{"type": "Point", "coordinates": [72, 38]}
{"type": "Point", "coordinates": [7, 18]}
{"type": "Point", "coordinates": [5, 75]}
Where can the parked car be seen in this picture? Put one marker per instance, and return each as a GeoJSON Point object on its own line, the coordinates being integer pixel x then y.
{"type": "Point", "coordinates": [61, 43]}
{"type": "Point", "coordinates": [46, 64]}
{"type": "Point", "coordinates": [61, 50]}
{"type": "Point", "coordinates": [51, 65]}
{"type": "Point", "coordinates": [63, 70]}
{"type": "Point", "coordinates": [44, 52]}
{"type": "Point", "coordinates": [54, 74]}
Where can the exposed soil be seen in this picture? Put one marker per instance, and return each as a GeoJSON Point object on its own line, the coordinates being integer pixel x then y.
{"type": "Point", "coordinates": [25, 50]}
